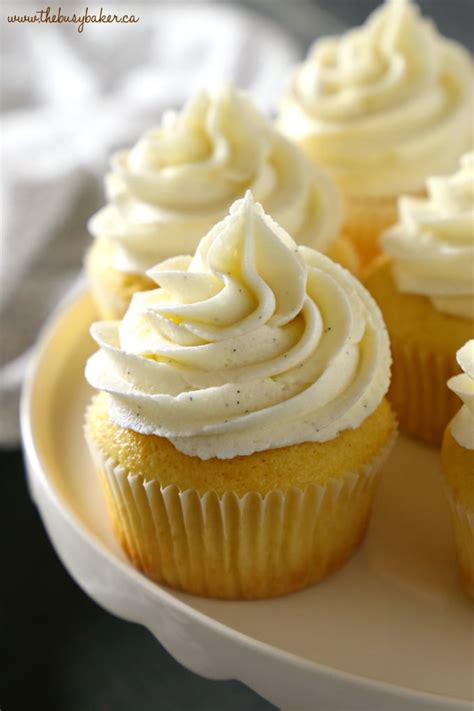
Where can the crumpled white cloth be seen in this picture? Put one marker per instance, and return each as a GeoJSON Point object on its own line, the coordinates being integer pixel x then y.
{"type": "Point", "coordinates": [68, 101]}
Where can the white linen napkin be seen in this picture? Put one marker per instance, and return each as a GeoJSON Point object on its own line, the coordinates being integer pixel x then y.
{"type": "Point", "coordinates": [68, 100]}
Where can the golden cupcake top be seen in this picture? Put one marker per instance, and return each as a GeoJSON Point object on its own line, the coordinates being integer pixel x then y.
{"type": "Point", "coordinates": [181, 178]}
{"type": "Point", "coordinates": [462, 425]}
{"type": "Point", "coordinates": [385, 105]}
{"type": "Point", "coordinates": [254, 343]}
{"type": "Point", "coordinates": [432, 245]}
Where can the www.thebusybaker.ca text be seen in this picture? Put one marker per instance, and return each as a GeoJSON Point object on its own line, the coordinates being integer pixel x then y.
{"type": "Point", "coordinates": [80, 20]}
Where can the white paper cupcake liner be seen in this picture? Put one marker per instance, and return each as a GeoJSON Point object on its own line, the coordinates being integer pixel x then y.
{"type": "Point", "coordinates": [418, 392]}
{"type": "Point", "coordinates": [238, 547]}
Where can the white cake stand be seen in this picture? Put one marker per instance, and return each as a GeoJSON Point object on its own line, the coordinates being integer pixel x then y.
{"type": "Point", "coordinates": [392, 630]}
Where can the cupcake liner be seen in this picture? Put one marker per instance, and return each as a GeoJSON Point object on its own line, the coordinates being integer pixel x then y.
{"type": "Point", "coordinates": [366, 219]}
{"type": "Point", "coordinates": [237, 547]}
{"type": "Point", "coordinates": [418, 392]}
{"type": "Point", "coordinates": [463, 526]}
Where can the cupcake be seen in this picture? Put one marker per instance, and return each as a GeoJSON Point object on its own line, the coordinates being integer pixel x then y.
{"type": "Point", "coordinates": [425, 289]}
{"type": "Point", "coordinates": [179, 180]}
{"type": "Point", "coordinates": [382, 108]}
{"type": "Point", "coordinates": [241, 418]}
{"type": "Point", "coordinates": [458, 463]}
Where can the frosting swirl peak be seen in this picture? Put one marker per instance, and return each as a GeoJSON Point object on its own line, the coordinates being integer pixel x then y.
{"type": "Point", "coordinates": [181, 178]}
{"type": "Point", "coordinates": [432, 245]}
{"type": "Point", "coordinates": [385, 105]}
{"type": "Point", "coordinates": [253, 343]}
{"type": "Point", "coordinates": [462, 426]}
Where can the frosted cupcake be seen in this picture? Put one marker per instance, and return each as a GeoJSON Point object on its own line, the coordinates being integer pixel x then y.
{"type": "Point", "coordinates": [458, 464]}
{"type": "Point", "coordinates": [425, 289]}
{"type": "Point", "coordinates": [180, 180]}
{"type": "Point", "coordinates": [382, 108]}
{"type": "Point", "coordinates": [242, 419]}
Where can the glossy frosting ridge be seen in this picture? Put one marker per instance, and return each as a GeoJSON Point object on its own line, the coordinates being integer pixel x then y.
{"type": "Point", "coordinates": [462, 425]}
{"type": "Point", "coordinates": [181, 178]}
{"type": "Point", "coordinates": [253, 343]}
{"type": "Point", "coordinates": [432, 245]}
{"type": "Point", "coordinates": [384, 105]}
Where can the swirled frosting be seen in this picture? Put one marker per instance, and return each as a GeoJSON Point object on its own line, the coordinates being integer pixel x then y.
{"type": "Point", "coordinates": [253, 343]}
{"type": "Point", "coordinates": [180, 179]}
{"type": "Point", "coordinates": [462, 425]}
{"type": "Point", "coordinates": [385, 105]}
{"type": "Point", "coordinates": [432, 246]}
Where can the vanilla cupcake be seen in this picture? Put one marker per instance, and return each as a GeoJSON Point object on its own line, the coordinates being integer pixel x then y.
{"type": "Point", "coordinates": [458, 464]}
{"type": "Point", "coordinates": [382, 108]}
{"type": "Point", "coordinates": [425, 289]}
{"type": "Point", "coordinates": [242, 419]}
{"type": "Point", "coordinates": [179, 180]}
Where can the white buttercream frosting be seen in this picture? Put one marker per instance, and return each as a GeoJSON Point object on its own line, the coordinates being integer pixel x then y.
{"type": "Point", "coordinates": [253, 343]}
{"type": "Point", "coordinates": [432, 246]}
{"type": "Point", "coordinates": [462, 425]}
{"type": "Point", "coordinates": [181, 178]}
{"type": "Point", "coordinates": [385, 105]}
